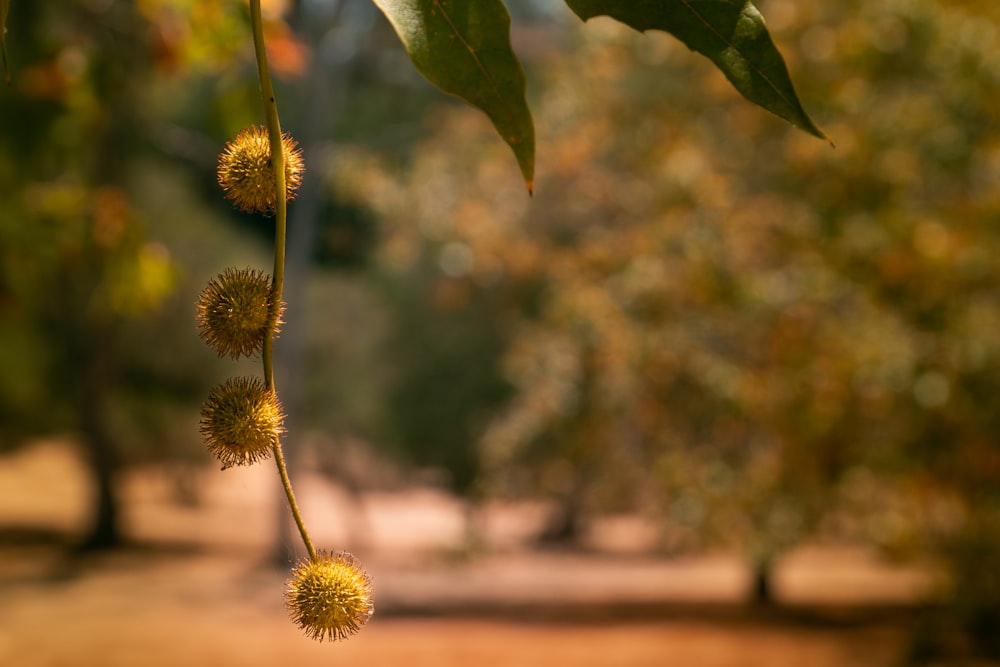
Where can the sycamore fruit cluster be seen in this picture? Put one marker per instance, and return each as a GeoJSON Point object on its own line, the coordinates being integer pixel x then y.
{"type": "Point", "coordinates": [238, 313]}
{"type": "Point", "coordinates": [242, 419]}
{"type": "Point", "coordinates": [329, 597]}
{"type": "Point", "coordinates": [241, 422]}
{"type": "Point", "coordinates": [234, 312]}
{"type": "Point", "coordinates": [246, 174]}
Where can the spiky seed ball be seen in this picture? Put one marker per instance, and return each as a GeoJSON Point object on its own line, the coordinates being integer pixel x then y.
{"type": "Point", "coordinates": [233, 312]}
{"type": "Point", "coordinates": [240, 421]}
{"type": "Point", "coordinates": [245, 171]}
{"type": "Point", "coordinates": [330, 597]}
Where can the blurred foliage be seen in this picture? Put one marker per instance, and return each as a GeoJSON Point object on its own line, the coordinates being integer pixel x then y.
{"type": "Point", "coordinates": [112, 222]}
{"type": "Point", "coordinates": [74, 256]}
{"type": "Point", "coordinates": [701, 314]}
{"type": "Point", "coordinates": [752, 335]}
{"type": "Point", "coordinates": [112, 218]}
{"type": "Point", "coordinates": [80, 272]}
{"type": "Point", "coordinates": [442, 352]}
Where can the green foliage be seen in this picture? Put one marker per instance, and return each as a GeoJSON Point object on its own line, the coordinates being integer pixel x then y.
{"type": "Point", "coordinates": [729, 32]}
{"type": "Point", "coordinates": [463, 47]}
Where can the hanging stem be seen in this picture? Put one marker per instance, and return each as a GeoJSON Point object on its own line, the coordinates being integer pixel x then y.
{"type": "Point", "coordinates": [280, 224]}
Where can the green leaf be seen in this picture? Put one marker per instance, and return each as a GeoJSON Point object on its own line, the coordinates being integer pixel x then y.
{"type": "Point", "coordinates": [463, 47]}
{"type": "Point", "coordinates": [729, 32]}
{"type": "Point", "coordinates": [4, 7]}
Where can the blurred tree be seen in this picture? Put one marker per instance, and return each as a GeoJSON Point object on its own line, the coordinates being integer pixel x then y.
{"type": "Point", "coordinates": [75, 261]}
{"type": "Point", "coordinates": [759, 338]}
{"type": "Point", "coordinates": [77, 267]}
{"type": "Point", "coordinates": [443, 350]}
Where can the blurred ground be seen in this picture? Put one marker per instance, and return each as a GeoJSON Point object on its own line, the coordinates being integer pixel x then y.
{"type": "Point", "coordinates": [196, 586]}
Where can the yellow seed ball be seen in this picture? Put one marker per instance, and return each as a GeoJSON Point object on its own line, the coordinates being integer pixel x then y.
{"type": "Point", "coordinates": [233, 312]}
{"type": "Point", "coordinates": [330, 597]}
{"type": "Point", "coordinates": [240, 421]}
{"type": "Point", "coordinates": [246, 175]}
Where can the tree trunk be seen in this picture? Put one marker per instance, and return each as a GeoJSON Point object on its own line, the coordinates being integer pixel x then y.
{"type": "Point", "coordinates": [762, 591]}
{"type": "Point", "coordinates": [102, 455]}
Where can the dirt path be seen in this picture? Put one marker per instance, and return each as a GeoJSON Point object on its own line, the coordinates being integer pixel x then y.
{"type": "Point", "coordinates": [194, 590]}
{"type": "Point", "coordinates": [207, 610]}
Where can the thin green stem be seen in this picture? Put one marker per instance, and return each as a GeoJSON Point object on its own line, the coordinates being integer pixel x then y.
{"type": "Point", "coordinates": [286, 484]}
{"type": "Point", "coordinates": [278, 167]}
{"type": "Point", "coordinates": [280, 224]}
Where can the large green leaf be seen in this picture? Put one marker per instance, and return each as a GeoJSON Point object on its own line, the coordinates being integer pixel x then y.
{"type": "Point", "coordinates": [729, 32]}
{"type": "Point", "coordinates": [4, 6]}
{"type": "Point", "coordinates": [463, 47]}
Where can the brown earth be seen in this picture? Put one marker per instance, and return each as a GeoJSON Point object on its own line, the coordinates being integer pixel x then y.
{"type": "Point", "coordinates": [194, 587]}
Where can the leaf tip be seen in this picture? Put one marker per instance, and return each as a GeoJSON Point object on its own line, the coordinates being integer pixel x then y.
{"type": "Point", "coordinates": [819, 134]}
{"type": "Point", "coordinates": [531, 188]}
{"type": "Point", "coordinates": [810, 127]}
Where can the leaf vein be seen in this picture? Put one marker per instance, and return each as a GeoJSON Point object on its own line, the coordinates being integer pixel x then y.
{"type": "Point", "coordinates": [725, 40]}
{"type": "Point", "coordinates": [472, 52]}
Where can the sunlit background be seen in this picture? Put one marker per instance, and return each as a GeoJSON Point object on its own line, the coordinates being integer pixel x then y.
{"type": "Point", "coordinates": [717, 394]}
